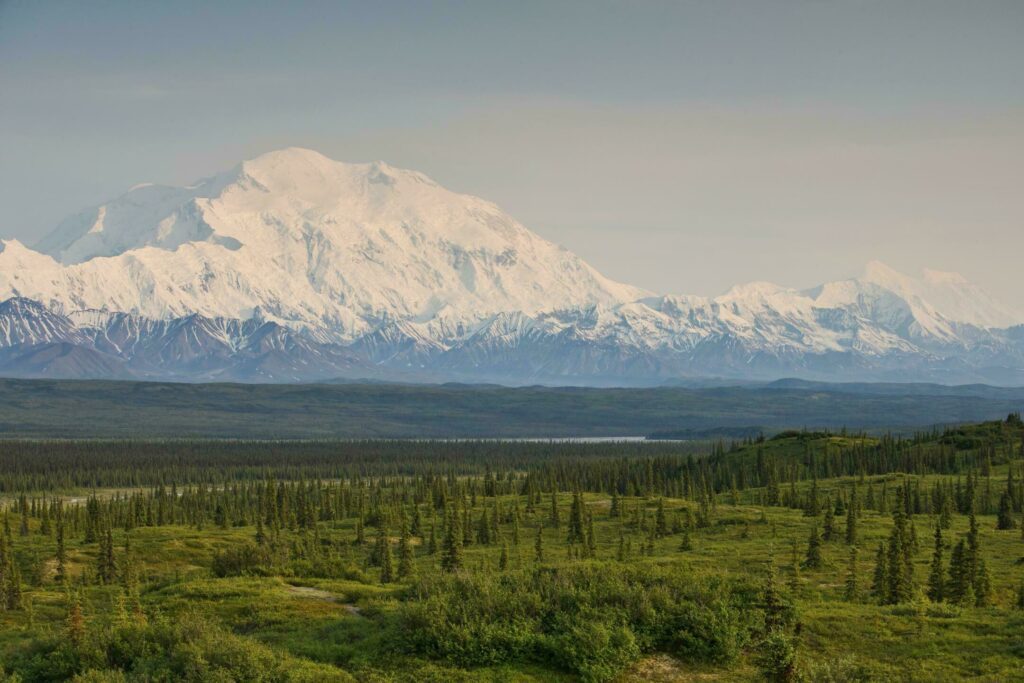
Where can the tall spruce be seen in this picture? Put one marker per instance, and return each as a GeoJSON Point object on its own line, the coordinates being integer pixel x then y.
{"type": "Point", "coordinates": [851, 590]}
{"type": "Point", "coordinates": [813, 558]}
{"type": "Point", "coordinates": [936, 575]}
{"type": "Point", "coordinates": [451, 553]}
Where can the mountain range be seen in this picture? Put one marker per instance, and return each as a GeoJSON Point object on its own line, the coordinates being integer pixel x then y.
{"type": "Point", "coordinates": [293, 267]}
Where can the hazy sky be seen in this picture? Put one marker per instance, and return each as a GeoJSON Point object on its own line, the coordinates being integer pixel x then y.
{"type": "Point", "coordinates": [679, 146]}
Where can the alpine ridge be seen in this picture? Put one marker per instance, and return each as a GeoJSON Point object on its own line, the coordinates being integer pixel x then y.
{"type": "Point", "coordinates": [295, 267]}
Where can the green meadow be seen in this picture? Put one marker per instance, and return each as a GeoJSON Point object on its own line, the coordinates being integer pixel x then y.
{"type": "Point", "coordinates": [806, 556]}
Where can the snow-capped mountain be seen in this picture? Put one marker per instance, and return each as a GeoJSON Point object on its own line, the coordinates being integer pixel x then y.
{"type": "Point", "coordinates": [306, 241]}
{"type": "Point", "coordinates": [292, 267]}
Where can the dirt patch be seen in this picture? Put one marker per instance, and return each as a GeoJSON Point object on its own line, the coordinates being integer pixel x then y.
{"type": "Point", "coordinates": [665, 669]}
{"type": "Point", "coordinates": [318, 594]}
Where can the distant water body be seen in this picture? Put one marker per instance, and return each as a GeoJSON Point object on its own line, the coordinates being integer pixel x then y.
{"type": "Point", "coordinates": [561, 439]}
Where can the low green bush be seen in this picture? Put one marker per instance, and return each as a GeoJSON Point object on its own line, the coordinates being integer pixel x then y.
{"type": "Point", "coordinates": [186, 649]}
{"type": "Point", "coordinates": [591, 619]}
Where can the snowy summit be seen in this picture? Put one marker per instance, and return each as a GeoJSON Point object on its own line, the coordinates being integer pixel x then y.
{"type": "Point", "coordinates": [295, 266]}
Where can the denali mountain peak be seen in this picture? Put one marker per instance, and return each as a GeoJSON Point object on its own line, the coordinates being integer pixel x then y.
{"type": "Point", "coordinates": [292, 266]}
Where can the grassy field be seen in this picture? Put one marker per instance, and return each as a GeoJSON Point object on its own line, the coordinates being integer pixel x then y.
{"type": "Point", "coordinates": [317, 606]}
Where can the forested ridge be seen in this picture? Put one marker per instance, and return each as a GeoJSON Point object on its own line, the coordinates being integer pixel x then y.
{"type": "Point", "coordinates": [141, 410]}
{"type": "Point", "coordinates": [807, 555]}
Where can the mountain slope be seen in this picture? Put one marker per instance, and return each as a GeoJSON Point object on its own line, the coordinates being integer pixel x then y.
{"type": "Point", "coordinates": [295, 267]}
{"type": "Point", "coordinates": [306, 241]}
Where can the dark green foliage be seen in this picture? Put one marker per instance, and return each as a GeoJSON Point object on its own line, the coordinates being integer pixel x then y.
{"type": "Point", "coordinates": [777, 657]}
{"type": "Point", "coordinates": [813, 559]}
{"type": "Point", "coordinates": [936, 574]}
{"type": "Point", "coordinates": [898, 559]}
{"type": "Point", "coordinates": [585, 619]}
{"type": "Point", "coordinates": [239, 560]}
{"type": "Point", "coordinates": [186, 649]}
{"type": "Point", "coordinates": [851, 517]}
{"type": "Point", "coordinates": [829, 523]}
{"type": "Point", "coordinates": [279, 549]}
{"type": "Point", "coordinates": [387, 562]}
{"type": "Point", "coordinates": [779, 612]}
{"type": "Point", "coordinates": [1004, 520]}
{"type": "Point", "coordinates": [880, 578]}
{"type": "Point", "coordinates": [451, 557]}
{"type": "Point", "coordinates": [851, 590]}
{"type": "Point", "coordinates": [406, 568]}
{"type": "Point", "coordinates": [45, 408]}
{"type": "Point", "coordinates": [959, 584]}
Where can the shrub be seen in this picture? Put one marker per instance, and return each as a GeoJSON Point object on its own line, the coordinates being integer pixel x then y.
{"type": "Point", "coordinates": [188, 649]}
{"type": "Point", "coordinates": [777, 657]}
{"type": "Point", "coordinates": [713, 633]}
{"type": "Point", "coordinates": [594, 649]}
{"type": "Point", "coordinates": [238, 560]}
{"type": "Point", "coordinates": [592, 619]}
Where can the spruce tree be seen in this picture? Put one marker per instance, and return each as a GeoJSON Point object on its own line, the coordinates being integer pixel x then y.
{"type": "Point", "coordinates": [936, 575]}
{"type": "Point", "coordinates": [62, 557]}
{"type": "Point", "coordinates": [406, 568]}
{"type": "Point", "coordinates": [982, 585]}
{"type": "Point", "coordinates": [852, 512]}
{"type": "Point", "coordinates": [467, 527]}
{"type": "Point", "coordinates": [968, 599]}
{"type": "Point", "coordinates": [960, 587]}
{"type": "Point", "coordinates": [261, 534]}
{"type": "Point", "coordinates": [829, 523]}
{"type": "Point", "coordinates": [387, 563]}
{"type": "Point", "coordinates": [974, 566]}
{"type": "Point", "coordinates": [851, 592]}
{"type": "Point", "coordinates": [576, 531]}
{"type": "Point", "coordinates": [813, 508]}
{"type": "Point", "coordinates": [417, 522]}
{"type": "Point", "coordinates": [360, 531]}
{"type": "Point", "coordinates": [451, 555]}
{"type": "Point", "coordinates": [774, 607]}
{"type": "Point", "coordinates": [660, 521]}
{"type": "Point", "coordinates": [880, 579]}
{"type": "Point", "coordinates": [794, 577]}
{"type": "Point", "coordinates": [483, 529]}
{"type": "Point", "coordinates": [591, 540]}
{"type": "Point", "coordinates": [686, 544]}
{"type": "Point", "coordinates": [106, 568]}
{"type": "Point", "coordinates": [432, 541]}
{"type": "Point", "coordinates": [75, 620]}
{"type": "Point", "coordinates": [813, 558]}
{"type": "Point", "coordinates": [899, 560]}
{"type": "Point", "coordinates": [13, 588]}
{"type": "Point", "coordinates": [503, 558]}
{"type": "Point", "coordinates": [1004, 521]}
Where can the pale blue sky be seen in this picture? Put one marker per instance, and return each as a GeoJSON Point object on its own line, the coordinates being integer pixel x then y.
{"type": "Point", "coordinates": [678, 146]}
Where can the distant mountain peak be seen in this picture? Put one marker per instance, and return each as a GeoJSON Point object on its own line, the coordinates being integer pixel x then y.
{"type": "Point", "coordinates": [313, 242]}
{"type": "Point", "coordinates": [948, 294]}
{"type": "Point", "coordinates": [939, 277]}
{"type": "Point", "coordinates": [338, 267]}
{"type": "Point", "coordinates": [750, 291]}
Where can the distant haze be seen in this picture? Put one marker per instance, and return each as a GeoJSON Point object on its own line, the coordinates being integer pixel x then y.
{"type": "Point", "coordinates": [682, 147]}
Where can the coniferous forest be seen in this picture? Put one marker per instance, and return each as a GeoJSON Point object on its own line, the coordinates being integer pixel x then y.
{"type": "Point", "coordinates": [803, 556]}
